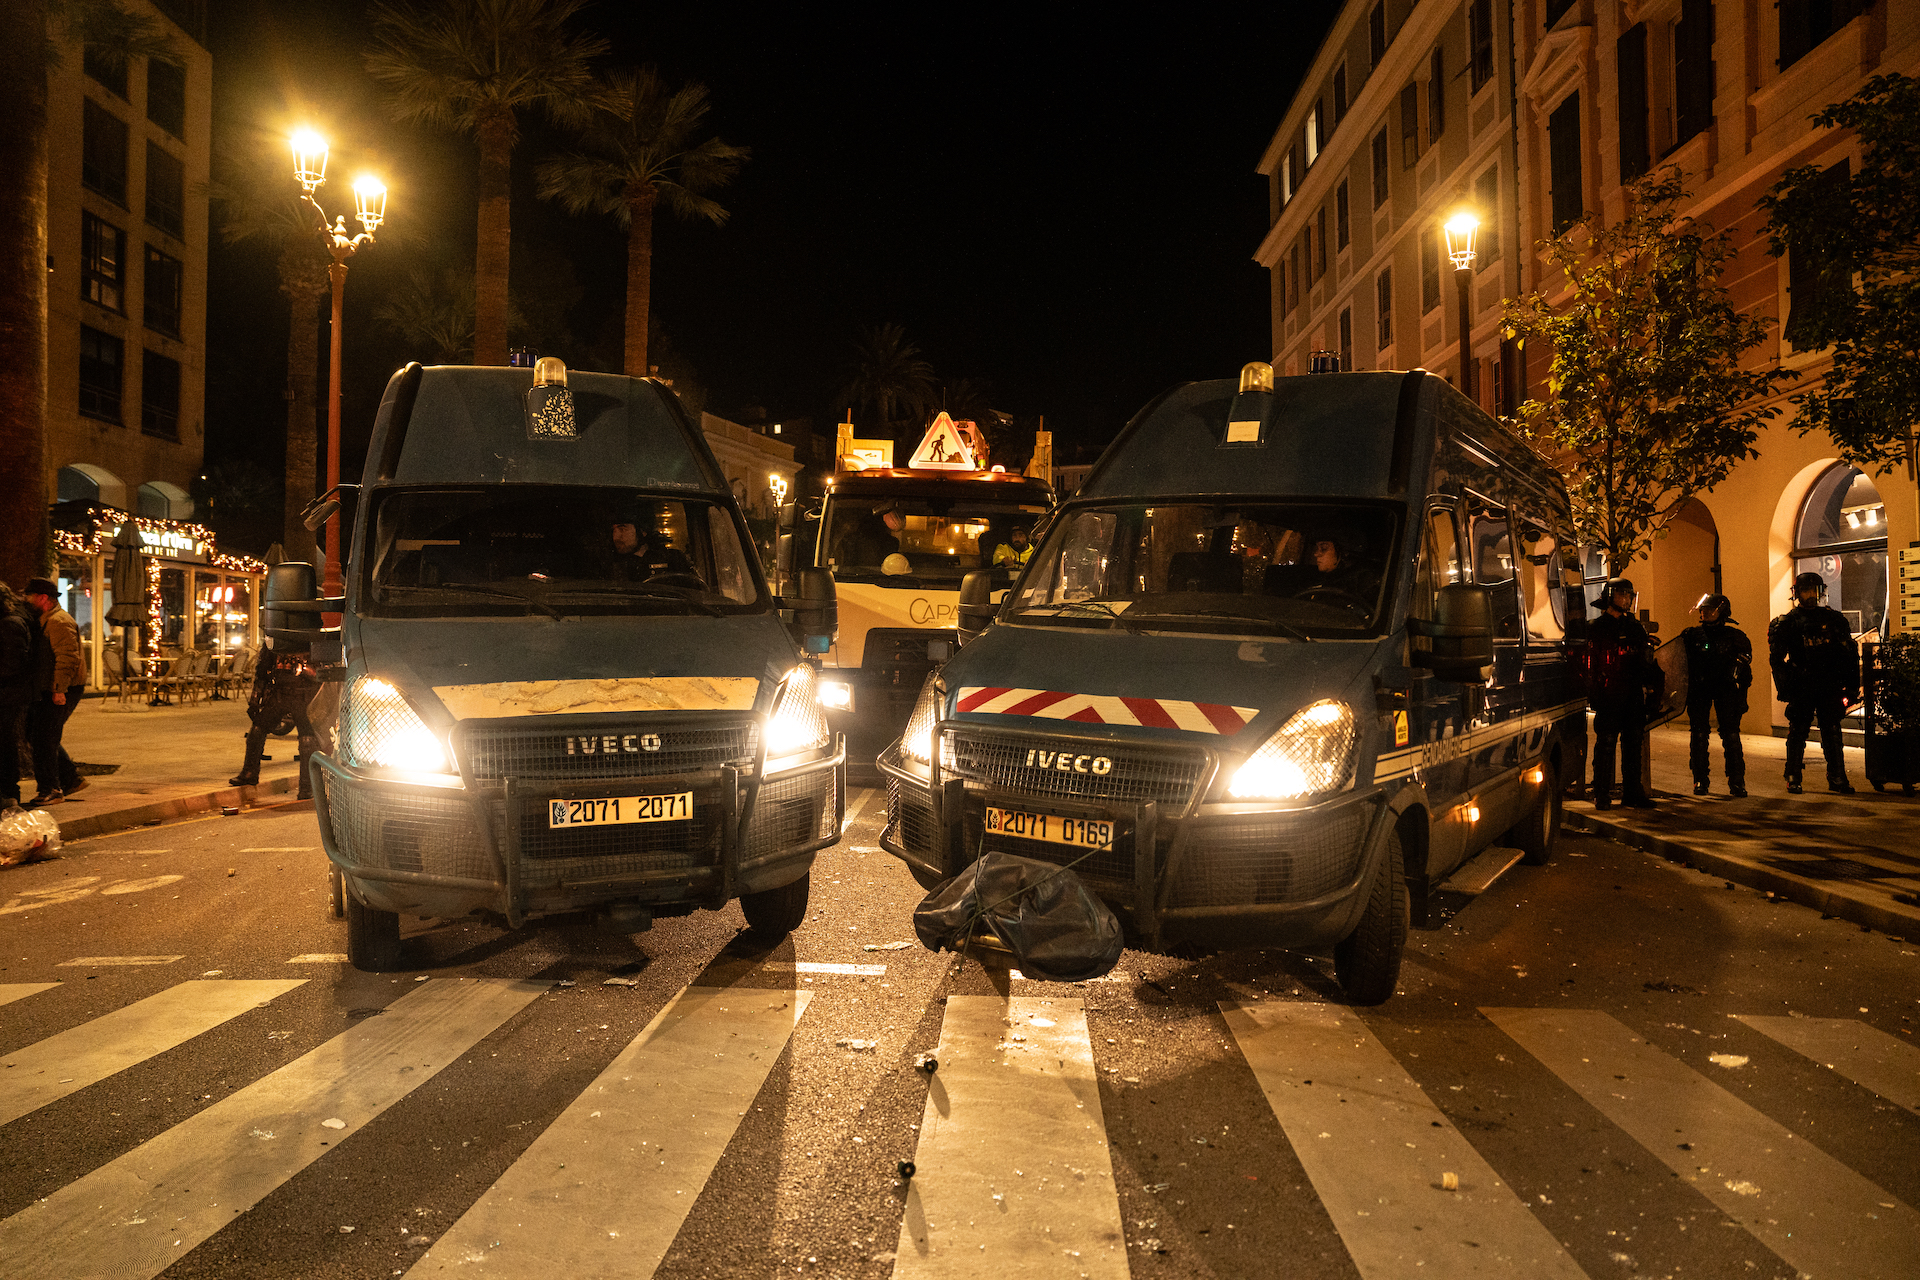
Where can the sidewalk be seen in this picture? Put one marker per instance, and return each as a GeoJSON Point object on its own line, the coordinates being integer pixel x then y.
{"type": "Point", "coordinates": [1855, 857]}
{"type": "Point", "coordinates": [172, 760]}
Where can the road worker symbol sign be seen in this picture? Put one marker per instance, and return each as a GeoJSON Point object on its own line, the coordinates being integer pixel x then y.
{"type": "Point", "coordinates": [943, 449]}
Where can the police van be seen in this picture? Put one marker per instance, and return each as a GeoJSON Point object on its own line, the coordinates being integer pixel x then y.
{"type": "Point", "coordinates": [565, 685]}
{"type": "Point", "coordinates": [1296, 650]}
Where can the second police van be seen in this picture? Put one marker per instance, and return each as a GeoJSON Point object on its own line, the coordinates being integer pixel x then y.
{"type": "Point", "coordinates": [1296, 651]}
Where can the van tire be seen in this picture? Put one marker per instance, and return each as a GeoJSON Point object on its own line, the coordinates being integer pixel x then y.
{"type": "Point", "coordinates": [1535, 835]}
{"type": "Point", "coordinates": [1367, 961]}
{"type": "Point", "coordinates": [373, 937]}
{"type": "Point", "coordinates": [775, 913]}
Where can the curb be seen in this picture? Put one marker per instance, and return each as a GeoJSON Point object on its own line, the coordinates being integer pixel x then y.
{"type": "Point", "coordinates": [100, 824]}
{"type": "Point", "coordinates": [1808, 893]}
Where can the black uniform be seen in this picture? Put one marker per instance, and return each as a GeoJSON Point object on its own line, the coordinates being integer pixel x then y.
{"type": "Point", "coordinates": [1816, 664]}
{"type": "Point", "coordinates": [1719, 672]}
{"type": "Point", "coordinates": [649, 560]}
{"type": "Point", "coordinates": [283, 685]}
{"type": "Point", "coordinates": [1621, 674]}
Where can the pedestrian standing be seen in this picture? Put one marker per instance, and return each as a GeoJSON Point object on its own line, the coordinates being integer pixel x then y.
{"type": "Point", "coordinates": [17, 630]}
{"type": "Point", "coordinates": [1719, 673]}
{"type": "Point", "coordinates": [1816, 672]}
{"type": "Point", "coordinates": [283, 684]}
{"type": "Point", "coordinates": [1620, 674]}
{"type": "Point", "coordinates": [61, 677]}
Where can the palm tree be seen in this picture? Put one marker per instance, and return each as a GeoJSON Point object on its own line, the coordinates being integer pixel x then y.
{"type": "Point", "coordinates": [890, 376]}
{"type": "Point", "coordinates": [257, 203]}
{"type": "Point", "coordinates": [645, 150]}
{"type": "Point", "coordinates": [433, 313]}
{"type": "Point", "coordinates": [472, 66]}
{"type": "Point", "coordinates": [37, 31]}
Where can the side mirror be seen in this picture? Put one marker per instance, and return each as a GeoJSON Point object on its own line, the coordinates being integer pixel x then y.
{"type": "Point", "coordinates": [976, 611]}
{"type": "Point", "coordinates": [1460, 637]}
{"type": "Point", "coordinates": [321, 508]}
{"type": "Point", "coordinates": [816, 610]}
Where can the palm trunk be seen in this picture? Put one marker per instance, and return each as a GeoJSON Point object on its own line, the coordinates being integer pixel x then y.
{"type": "Point", "coordinates": [23, 294]}
{"type": "Point", "coordinates": [639, 277]}
{"type": "Point", "coordinates": [304, 289]}
{"type": "Point", "coordinates": [495, 246]}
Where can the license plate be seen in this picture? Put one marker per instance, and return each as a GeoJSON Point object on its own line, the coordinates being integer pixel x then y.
{"type": "Point", "coordinates": [620, 810]}
{"type": "Point", "coordinates": [1081, 833]}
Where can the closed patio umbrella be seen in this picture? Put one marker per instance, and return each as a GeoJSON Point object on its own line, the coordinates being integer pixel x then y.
{"type": "Point", "coordinates": [129, 582]}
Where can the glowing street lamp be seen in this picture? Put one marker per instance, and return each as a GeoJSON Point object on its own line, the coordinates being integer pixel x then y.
{"type": "Point", "coordinates": [778, 483]}
{"type": "Point", "coordinates": [370, 210]}
{"type": "Point", "coordinates": [1460, 229]}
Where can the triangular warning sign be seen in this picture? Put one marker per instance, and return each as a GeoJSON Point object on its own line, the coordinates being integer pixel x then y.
{"type": "Point", "coordinates": [943, 449]}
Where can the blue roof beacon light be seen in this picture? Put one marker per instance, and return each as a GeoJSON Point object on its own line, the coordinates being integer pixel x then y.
{"type": "Point", "coordinates": [1323, 362]}
{"type": "Point", "coordinates": [1252, 408]}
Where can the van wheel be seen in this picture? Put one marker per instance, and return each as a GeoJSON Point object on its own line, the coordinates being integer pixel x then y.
{"type": "Point", "coordinates": [1535, 834]}
{"type": "Point", "coordinates": [373, 937]}
{"type": "Point", "coordinates": [1367, 961]}
{"type": "Point", "coordinates": [775, 913]}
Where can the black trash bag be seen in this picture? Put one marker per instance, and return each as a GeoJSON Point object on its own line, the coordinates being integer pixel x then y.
{"type": "Point", "coordinates": [1057, 930]}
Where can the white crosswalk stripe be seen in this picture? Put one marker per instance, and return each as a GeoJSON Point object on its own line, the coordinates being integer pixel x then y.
{"type": "Point", "coordinates": [1378, 1152]}
{"type": "Point", "coordinates": [138, 1215]}
{"type": "Point", "coordinates": [1013, 1150]}
{"type": "Point", "coordinates": [604, 1190]}
{"type": "Point", "coordinates": [11, 991]}
{"type": "Point", "coordinates": [1865, 1055]}
{"type": "Point", "coordinates": [66, 1063]}
{"type": "Point", "coordinates": [1805, 1205]}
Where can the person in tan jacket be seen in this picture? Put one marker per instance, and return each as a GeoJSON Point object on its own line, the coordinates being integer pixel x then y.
{"type": "Point", "coordinates": [61, 671]}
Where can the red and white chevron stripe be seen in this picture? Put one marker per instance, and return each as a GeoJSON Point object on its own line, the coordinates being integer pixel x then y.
{"type": "Point", "coordinates": [1095, 708]}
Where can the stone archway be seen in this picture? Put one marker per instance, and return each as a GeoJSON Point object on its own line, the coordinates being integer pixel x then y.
{"type": "Point", "coordinates": [1684, 565]}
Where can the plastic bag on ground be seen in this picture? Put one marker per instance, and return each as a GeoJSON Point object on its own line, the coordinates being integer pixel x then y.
{"type": "Point", "coordinates": [1057, 929]}
{"type": "Point", "coordinates": [27, 835]}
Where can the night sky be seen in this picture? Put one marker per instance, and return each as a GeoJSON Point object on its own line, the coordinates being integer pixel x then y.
{"type": "Point", "coordinates": [1060, 205]}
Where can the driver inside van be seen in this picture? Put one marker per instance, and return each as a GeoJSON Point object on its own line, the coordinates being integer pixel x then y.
{"type": "Point", "coordinates": [640, 551]}
{"type": "Point", "coordinates": [1337, 565]}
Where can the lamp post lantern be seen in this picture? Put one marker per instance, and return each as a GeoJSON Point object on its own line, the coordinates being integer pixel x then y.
{"type": "Point", "coordinates": [370, 210]}
{"type": "Point", "coordinates": [1460, 229]}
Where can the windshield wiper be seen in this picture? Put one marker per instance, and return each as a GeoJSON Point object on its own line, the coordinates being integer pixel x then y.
{"type": "Point", "coordinates": [1092, 606]}
{"type": "Point", "coordinates": [474, 589]}
{"type": "Point", "coordinates": [1287, 628]}
{"type": "Point", "coordinates": [661, 592]}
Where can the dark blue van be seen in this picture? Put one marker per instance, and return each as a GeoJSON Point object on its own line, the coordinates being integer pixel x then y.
{"type": "Point", "coordinates": [565, 685]}
{"type": "Point", "coordinates": [1295, 651]}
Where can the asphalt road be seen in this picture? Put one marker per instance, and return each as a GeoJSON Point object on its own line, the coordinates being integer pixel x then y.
{"type": "Point", "coordinates": [1609, 1066]}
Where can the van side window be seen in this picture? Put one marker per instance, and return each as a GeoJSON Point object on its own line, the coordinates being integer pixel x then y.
{"type": "Point", "coordinates": [1541, 600]}
{"type": "Point", "coordinates": [1490, 541]}
{"type": "Point", "coordinates": [1439, 561]}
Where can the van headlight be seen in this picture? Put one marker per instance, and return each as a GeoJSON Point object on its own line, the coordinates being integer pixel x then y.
{"type": "Point", "coordinates": [916, 742]}
{"type": "Point", "coordinates": [379, 729]}
{"type": "Point", "coordinates": [1310, 755]}
{"type": "Point", "coordinates": [797, 723]}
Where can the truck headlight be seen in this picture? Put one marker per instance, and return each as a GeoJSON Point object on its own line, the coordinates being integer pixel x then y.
{"type": "Point", "coordinates": [378, 728]}
{"type": "Point", "coordinates": [917, 740]}
{"type": "Point", "coordinates": [1310, 755]}
{"type": "Point", "coordinates": [797, 723]}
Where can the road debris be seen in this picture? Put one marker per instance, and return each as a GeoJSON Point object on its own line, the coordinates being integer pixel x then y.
{"type": "Point", "coordinates": [1449, 1182]}
{"type": "Point", "coordinates": [1727, 1059]}
{"type": "Point", "coordinates": [335, 1123]}
{"type": "Point", "coordinates": [887, 946]}
{"type": "Point", "coordinates": [858, 1046]}
{"type": "Point", "coordinates": [620, 982]}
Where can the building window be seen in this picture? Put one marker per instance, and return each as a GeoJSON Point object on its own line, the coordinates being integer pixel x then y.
{"type": "Point", "coordinates": [1339, 94]}
{"type": "Point", "coordinates": [1379, 168]}
{"type": "Point", "coordinates": [1814, 281]}
{"type": "Point", "coordinates": [1306, 247]}
{"type": "Point", "coordinates": [1293, 278]}
{"type": "Point", "coordinates": [1805, 24]}
{"type": "Point", "coordinates": [167, 96]}
{"type": "Point", "coordinates": [1340, 215]}
{"type": "Point", "coordinates": [1377, 34]}
{"type": "Point", "coordinates": [166, 192]}
{"type": "Point", "coordinates": [1409, 125]}
{"type": "Point", "coordinates": [1693, 72]}
{"type": "Point", "coordinates": [1480, 40]}
{"type": "Point", "coordinates": [103, 152]}
{"type": "Point", "coordinates": [102, 361]}
{"type": "Point", "coordinates": [1486, 194]}
{"type": "Point", "coordinates": [103, 263]}
{"type": "Point", "coordinates": [1563, 154]}
{"type": "Point", "coordinates": [1383, 301]}
{"type": "Point", "coordinates": [105, 70]}
{"type": "Point", "coordinates": [1842, 536]}
{"type": "Point", "coordinates": [1556, 10]}
{"type": "Point", "coordinates": [1430, 270]}
{"type": "Point", "coordinates": [1287, 178]}
{"type": "Point", "coordinates": [1281, 281]}
{"type": "Point", "coordinates": [1436, 96]}
{"type": "Point", "coordinates": [1320, 243]}
{"type": "Point", "coordinates": [1313, 134]}
{"type": "Point", "coordinates": [1636, 148]}
{"type": "Point", "coordinates": [159, 396]}
{"type": "Point", "coordinates": [1346, 338]}
{"type": "Point", "coordinates": [162, 294]}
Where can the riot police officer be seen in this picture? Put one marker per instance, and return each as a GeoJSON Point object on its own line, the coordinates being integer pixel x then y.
{"type": "Point", "coordinates": [1816, 671]}
{"type": "Point", "coordinates": [283, 685]}
{"type": "Point", "coordinates": [1621, 674]}
{"type": "Point", "coordinates": [1719, 672]}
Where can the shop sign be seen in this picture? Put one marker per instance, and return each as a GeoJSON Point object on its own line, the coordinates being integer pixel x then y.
{"type": "Point", "coordinates": [173, 546]}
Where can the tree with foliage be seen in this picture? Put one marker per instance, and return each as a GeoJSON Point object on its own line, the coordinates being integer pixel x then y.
{"type": "Point", "coordinates": [473, 66]}
{"type": "Point", "coordinates": [645, 148]}
{"type": "Point", "coordinates": [1860, 236]}
{"type": "Point", "coordinates": [37, 33]}
{"type": "Point", "coordinates": [891, 378]}
{"type": "Point", "coordinates": [433, 314]}
{"type": "Point", "coordinates": [1647, 401]}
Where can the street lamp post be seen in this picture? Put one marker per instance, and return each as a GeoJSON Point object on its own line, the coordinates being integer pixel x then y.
{"type": "Point", "coordinates": [1460, 230]}
{"type": "Point", "coordinates": [370, 202]}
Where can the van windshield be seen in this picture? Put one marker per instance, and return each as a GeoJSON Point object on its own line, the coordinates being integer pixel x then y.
{"type": "Point", "coordinates": [917, 543]}
{"type": "Point", "coordinates": [1299, 570]}
{"type": "Point", "coordinates": [559, 550]}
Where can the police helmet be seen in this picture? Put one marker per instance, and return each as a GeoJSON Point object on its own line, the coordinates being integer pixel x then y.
{"type": "Point", "coordinates": [1616, 585]}
{"type": "Point", "coordinates": [1809, 581]}
{"type": "Point", "coordinates": [1714, 600]}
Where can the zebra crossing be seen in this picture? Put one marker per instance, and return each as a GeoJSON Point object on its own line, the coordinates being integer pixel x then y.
{"type": "Point", "coordinates": [1014, 1169]}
